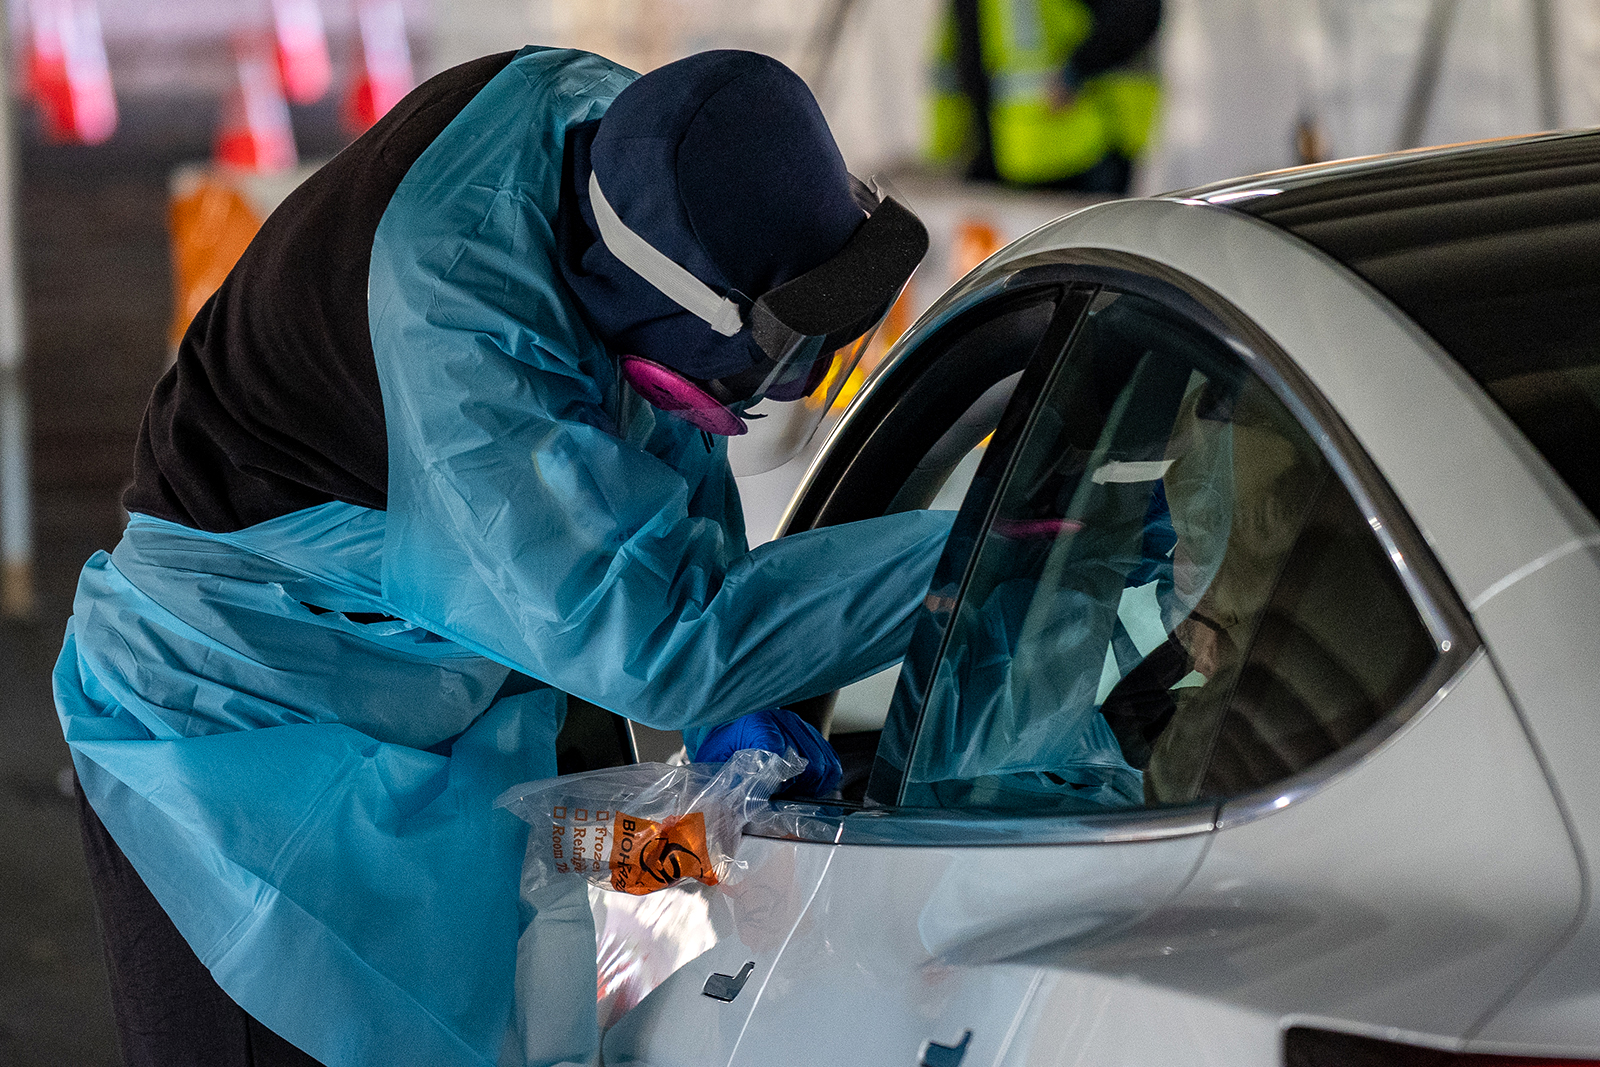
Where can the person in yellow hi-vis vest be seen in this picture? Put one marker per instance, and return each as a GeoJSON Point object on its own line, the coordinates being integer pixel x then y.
{"type": "Point", "coordinates": [1046, 93]}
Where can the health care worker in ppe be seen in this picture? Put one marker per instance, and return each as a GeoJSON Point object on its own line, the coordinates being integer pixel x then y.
{"type": "Point", "coordinates": [409, 483]}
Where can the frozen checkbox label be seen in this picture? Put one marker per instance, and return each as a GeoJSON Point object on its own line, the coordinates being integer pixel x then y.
{"type": "Point", "coordinates": [580, 839]}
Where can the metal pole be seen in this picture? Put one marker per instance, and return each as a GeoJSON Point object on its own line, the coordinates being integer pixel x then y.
{"type": "Point", "coordinates": [16, 497]}
{"type": "Point", "coordinates": [1544, 64]}
{"type": "Point", "coordinates": [823, 46]}
{"type": "Point", "coordinates": [1430, 57]}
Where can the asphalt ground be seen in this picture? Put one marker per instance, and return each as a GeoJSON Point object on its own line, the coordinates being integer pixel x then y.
{"type": "Point", "coordinates": [97, 298]}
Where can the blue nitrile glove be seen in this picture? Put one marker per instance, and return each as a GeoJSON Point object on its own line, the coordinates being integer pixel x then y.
{"type": "Point", "coordinates": [776, 730]}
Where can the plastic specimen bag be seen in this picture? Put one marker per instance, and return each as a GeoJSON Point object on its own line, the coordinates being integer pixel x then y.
{"type": "Point", "coordinates": [646, 826]}
{"type": "Point", "coordinates": [641, 941]}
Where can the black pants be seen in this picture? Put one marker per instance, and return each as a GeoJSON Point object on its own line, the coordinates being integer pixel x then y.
{"type": "Point", "coordinates": [169, 1011]}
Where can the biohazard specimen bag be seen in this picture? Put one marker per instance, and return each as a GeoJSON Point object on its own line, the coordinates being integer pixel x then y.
{"type": "Point", "coordinates": [645, 826]}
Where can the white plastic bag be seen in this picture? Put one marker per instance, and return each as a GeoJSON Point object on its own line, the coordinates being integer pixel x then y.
{"type": "Point", "coordinates": [643, 827]}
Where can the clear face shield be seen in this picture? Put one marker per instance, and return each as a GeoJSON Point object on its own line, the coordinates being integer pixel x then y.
{"type": "Point", "coordinates": [782, 420]}
{"type": "Point", "coordinates": [812, 332]}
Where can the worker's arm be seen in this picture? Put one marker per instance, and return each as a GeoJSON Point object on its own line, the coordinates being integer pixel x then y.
{"type": "Point", "coordinates": [529, 520]}
{"type": "Point", "coordinates": [574, 558]}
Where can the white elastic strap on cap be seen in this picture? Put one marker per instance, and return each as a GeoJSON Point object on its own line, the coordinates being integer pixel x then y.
{"type": "Point", "coordinates": [649, 263]}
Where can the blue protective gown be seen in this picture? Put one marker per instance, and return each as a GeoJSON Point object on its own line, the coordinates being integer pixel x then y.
{"type": "Point", "coordinates": [310, 798]}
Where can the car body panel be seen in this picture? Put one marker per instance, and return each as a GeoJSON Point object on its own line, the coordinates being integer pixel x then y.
{"type": "Point", "coordinates": [751, 919]}
{"type": "Point", "coordinates": [1401, 896]}
{"type": "Point", "coordinates": [1545, 633]}
{"type": "Point", "coordinates": [907, 944]}
{"type": "Point", "coordinates": [1422, 421]}
{"type": "Point", "coordinates": [1076, 1017]}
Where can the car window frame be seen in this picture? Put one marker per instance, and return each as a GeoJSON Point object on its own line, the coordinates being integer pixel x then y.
{"type": "Point", "coordinates": [1436, 602]}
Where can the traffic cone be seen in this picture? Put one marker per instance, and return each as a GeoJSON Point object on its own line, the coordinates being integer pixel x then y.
{"type": "Point", "coordinates": [303, 61]}
{"type": "Point", "coordinates": [383, 71]}
{"type": "Point", "coordinates": [210, 221]}
{"type": "Point", "coordinates": [68, 75]}
{"type": "Point", "coordinates": [256, 134]}
{"type": "Point", "coordinates": [975, 241]}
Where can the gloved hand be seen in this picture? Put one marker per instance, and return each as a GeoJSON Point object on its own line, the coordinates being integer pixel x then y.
{"type": "Point", "coordinates": [775, 730]}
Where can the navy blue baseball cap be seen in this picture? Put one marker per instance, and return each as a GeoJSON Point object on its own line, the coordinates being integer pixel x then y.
{"type": "Point", "coordinates": [719, 174]}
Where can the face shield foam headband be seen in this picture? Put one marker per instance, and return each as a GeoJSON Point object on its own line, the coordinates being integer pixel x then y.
{"type": "Point", "coordinates": [803, 328]}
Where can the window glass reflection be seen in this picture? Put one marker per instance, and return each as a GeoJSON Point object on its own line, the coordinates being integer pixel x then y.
{"type": "Point", "coordinates": [1162, 599]}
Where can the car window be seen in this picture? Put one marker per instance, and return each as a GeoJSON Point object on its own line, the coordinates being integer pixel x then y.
{"type": "Point", "coordinates": [940, 482]}
{"type": "Point", "coordinates": [1174, 596]}
{"type": "Point", "coordinates": [915, 440]}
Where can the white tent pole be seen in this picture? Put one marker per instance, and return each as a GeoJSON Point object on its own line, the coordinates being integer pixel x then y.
{"type": "Point", "coordinates": [1544, 65]}
{"type": "Point", "coordinates": [1430, 57]}
{"type": "Point", "coordinates": [16, 497]}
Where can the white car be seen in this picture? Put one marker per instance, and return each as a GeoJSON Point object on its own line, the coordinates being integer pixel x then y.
{"type": "Point", "coordinates": [1253, 717]}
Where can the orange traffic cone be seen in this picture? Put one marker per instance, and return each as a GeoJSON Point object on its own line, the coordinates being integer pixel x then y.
{"type": "Point", "coordinates": [383, 74]}
{"type": "Point", "coordinates": [302, 50]}
{"type": "Point", "coordinates": [68, 75]}
{"type": "Point", "coordinates": [975, 241]}
{"type": "Point", "coordinates": [210, 221]}
{"type": "Point", "coordinates": [256, 133]}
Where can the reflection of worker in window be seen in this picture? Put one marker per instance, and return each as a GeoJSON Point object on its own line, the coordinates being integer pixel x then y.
{"type": "Point", "coordinates": [1114, 525]}
{"type": "Point", "coordinates": [1053, 94]}
{"type": "Point", "coordinates": [1153, 522]}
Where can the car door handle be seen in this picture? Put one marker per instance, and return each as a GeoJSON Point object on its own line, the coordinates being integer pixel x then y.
{"type": "Point", "coordinates": [725, 987]}
{"type": "Point", "coordinates": [937, 1055]}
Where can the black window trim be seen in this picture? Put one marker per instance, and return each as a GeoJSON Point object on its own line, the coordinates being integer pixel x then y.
{"type": "Point", "coordinates": [1433, 597]}
{"type": "Point", "coordinates": [888, 383]}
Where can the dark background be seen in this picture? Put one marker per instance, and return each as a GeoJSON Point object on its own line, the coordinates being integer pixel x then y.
{"type": "Point", "coordinates": [97, 295]}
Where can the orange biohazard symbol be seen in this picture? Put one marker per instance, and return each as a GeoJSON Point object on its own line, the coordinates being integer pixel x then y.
{"type": "Point", "coordinates": [647, 855]}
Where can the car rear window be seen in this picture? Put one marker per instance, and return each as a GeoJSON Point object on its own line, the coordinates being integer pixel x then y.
{"type": "Point", "coordinates": [1496, 253]}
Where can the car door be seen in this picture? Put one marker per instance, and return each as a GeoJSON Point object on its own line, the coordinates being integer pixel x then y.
{"type": "Point", "coordinates": [916, 431]}
{"type": "Point", "coordinates": [1154, 779]}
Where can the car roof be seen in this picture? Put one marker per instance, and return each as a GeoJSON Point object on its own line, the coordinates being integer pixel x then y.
{"type": "Point", "coordinates": [1493, 248]}
{"type": "Point", "coordinates": [1336, 178]}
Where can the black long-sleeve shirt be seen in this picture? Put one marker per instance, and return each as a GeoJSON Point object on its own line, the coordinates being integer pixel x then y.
{"type": "Point", "coordinates": [273, 404]}
{"type": "Point", "coordinates": [1121, 29]}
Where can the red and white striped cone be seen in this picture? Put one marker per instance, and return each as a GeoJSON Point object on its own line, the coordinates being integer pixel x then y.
{"type": "Point", "coordinates": [302, 50]}
{"type": "Point", "coordinates": [383, 73]}
{"type": "Point", "coordinates": [68, 75]}
{"type": "Point", "coordinates": [256, 133]}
